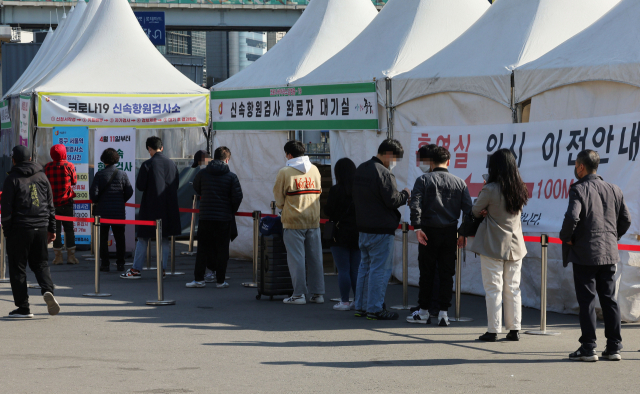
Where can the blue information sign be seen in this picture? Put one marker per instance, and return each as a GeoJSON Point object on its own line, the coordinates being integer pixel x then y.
{"type": "Point", "coordinates": [153, 25]}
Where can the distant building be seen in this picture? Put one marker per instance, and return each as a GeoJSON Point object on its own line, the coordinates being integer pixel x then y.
{"type": "Point", "coordinates": [273, 37]}
{"type": "Point", "coordinates": [186, 43]}
{"type": "Point", "coordinates": [228, 53]}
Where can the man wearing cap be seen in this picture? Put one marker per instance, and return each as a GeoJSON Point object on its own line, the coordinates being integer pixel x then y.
{"type": "Point", "coordinates": [62, 176]}
{"type": "Point", "coordinates": [29, 224]}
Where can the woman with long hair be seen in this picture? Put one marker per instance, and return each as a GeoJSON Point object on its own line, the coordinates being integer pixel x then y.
{"type": "Point", "coordinates": [342, 212]}
{"type": "Point", "coordinates": [500, 244]}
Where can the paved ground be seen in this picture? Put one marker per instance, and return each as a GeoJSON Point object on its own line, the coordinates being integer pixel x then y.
{"type": "Point", "coordinates": [224, 340]}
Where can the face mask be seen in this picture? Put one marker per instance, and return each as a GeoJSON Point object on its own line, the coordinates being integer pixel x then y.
{"type": "Point", "coordinates": [575, 172]}
{"type": "Point", "coordinates": [392, 165]}
{"type": "Point", "coordinates": [425, 168]}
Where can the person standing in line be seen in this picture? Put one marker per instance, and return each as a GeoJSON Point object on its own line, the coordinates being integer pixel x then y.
{"type": "Point", "coordinates": [341, 210]}
{"type": "Point", "coordinates": [29, 224]}
{"type": "Point", "coordinates": [200, 160]}
{"type": "Point", "coordinates": [221, 196]}
{"type": "Point", "coordinates": [109, 192]}
{"type": "Point", "coordinates": [158, 180]}
{"type": "Point", "coordinates": [439, 198]}
{"type": "Point", "coordinates": [297, 193]}
{"type": "Point", "coordinates": [377, 218]}
{"type": "Point", "coordinates": [500, 244]}
{"type": "Point", "coordinates": [62, 176]}
{"type": "Point", "coordinates": [596, 219]}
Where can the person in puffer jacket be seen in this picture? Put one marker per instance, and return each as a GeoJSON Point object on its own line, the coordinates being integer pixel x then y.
{"type": "Point", "coordinates": [297, 193]}
{"type": "Point", "coordinates": [62, 176]}
{"type": "Point", "coordinates": [221, 196]}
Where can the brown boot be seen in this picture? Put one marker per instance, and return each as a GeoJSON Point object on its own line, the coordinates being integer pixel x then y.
{"type": "Point", "coordinates": [58, 259]}
{"type": "Point", "coordinates": [71, 256]}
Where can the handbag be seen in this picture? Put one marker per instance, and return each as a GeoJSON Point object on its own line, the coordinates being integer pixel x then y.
{"type": "Point", "coordinates": [331, 228]}
{"type": "Point", "coordinates": [470, 225]}
{"type": "Point", "coordinates": [109, 182]}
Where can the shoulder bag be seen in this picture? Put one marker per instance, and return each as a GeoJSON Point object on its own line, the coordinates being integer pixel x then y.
{"type": "Point", "coordinates": [470, 225]}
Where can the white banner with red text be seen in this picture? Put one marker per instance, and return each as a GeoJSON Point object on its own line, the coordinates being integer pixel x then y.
{"type": "Point", "coordinates": [127, 110]}
{"type": "Point", "coordinates": [545, 153]}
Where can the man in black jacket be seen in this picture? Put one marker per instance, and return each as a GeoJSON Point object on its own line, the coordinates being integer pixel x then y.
{"type": "Point", "coordinates": [595, 221]}
{"type": "Point", "coordinates": [29, 224]}
{"type": "Point", "coordinates": [221, 196]}
{"type": "Point", "coordinates": [439, 198]}
{"type": "Point", "coordinates": [377, 217]}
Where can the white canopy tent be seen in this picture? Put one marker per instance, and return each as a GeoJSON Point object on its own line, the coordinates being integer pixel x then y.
{"type": "Point", "coordinates": [594, 74]}
{"type": "Point", "coordinates": [325, 27]}
{"type": "Point", "coordinates": [469, 83]}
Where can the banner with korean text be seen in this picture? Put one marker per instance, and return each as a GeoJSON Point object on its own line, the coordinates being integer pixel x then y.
{"type": "Point", "coordinates": [25, 119]}
{"type": "Point", "coordinates": [123, 140]}
{"type": "Point", "coordinates": [4, 114]}
{"type": "Point", "coordinates": [76, 141]}
{"type": "Point", "coordinates": [328, 107]}
{"type": "Point", "coordinates": [545, 154]}
{"type": "Point", "coordinates": [131, 110]}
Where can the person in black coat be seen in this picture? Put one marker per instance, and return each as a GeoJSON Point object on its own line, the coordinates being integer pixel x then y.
{"type": "Point", "coordinates": [221, 196]}
{"type": "Point", "coordinates": [109, 192]}
{"type": "Point", "coordinates": [344, 247]}
{"type": "Point", "coordinates": [158, 180]}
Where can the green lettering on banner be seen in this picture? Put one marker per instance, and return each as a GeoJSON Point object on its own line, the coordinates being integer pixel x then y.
{"type": "Point", "coordinates": [355, 124]}
{"type": "Point", "coordinates": [4, 114]}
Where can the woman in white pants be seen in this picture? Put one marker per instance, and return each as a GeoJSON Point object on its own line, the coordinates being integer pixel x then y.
{"type": "Point", "coordinates": [500, 244]}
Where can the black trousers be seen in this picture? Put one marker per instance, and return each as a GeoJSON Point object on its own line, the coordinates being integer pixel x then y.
{"type": "Point", "coordinates": [121, 245]}
{"type": "Point", "coordinates": [69, 236]}
{"type": "Point", "coordinates": [437, 259]}
{"type": "Point", "coordinates": [590, 280]}
{"type": "Point", "coordinates": [28, 246]}
{"type": "Point", "coordinates": [213, 249]}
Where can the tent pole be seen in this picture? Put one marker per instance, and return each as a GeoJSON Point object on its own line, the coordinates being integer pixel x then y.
{"type": "Point", "coordinates": [35, 129]}
{"type": "Point", "coordinates": [514, 111]}
{"type": "Point", "coordinates": [389, 109]}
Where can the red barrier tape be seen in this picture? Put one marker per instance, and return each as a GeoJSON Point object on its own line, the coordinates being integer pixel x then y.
{"type": "Point", "coordinates": [71, 219]}
{"type": "Point", "coordinates": [138, 222]}
{"type": "Point", "coordinates": [532, 239]}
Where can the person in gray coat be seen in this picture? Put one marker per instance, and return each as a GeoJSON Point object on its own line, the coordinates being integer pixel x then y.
{"type": "Point", "coordinates": [595, 221]}
{"type": "Point", "coordinates": [500, 244]}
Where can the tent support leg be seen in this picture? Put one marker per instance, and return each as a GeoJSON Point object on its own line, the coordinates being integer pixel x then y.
{"type": "Point", "coordinates": [389, 109]}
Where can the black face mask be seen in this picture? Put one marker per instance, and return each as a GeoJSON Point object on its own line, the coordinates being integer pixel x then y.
{"type": "Point", "coordinates": [575, 172]}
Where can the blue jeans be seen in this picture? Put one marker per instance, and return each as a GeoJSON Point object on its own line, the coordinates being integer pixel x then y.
{"type": "Point", "coordinates": [140, 255]}
{"type": "Point", "coordinates": [347, 261]}
{"type": "Point", "coordinates": [375, 271]}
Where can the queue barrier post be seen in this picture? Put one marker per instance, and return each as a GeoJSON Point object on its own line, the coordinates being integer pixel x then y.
{"type": "Point", "coordinates": [89, 256]}
{"type": "Point", "coordinates": [192, 229]}
{"type": "Point", "coordinates": [173, 258]}
{"type": "Point", "coordinates": [256, 235]}
{"type": "Point", "coordinates": [459, 318]}
{"type": "Point", "coordinates": [96, 243]}
{"type": "Point", "coordinates": [273, 207]}
{"type": "Point", "coordinates": [3, 259]}
{"type": "Point", "coordinates": [161, 300]}
{"type": "Point", "coordinates": [405, 269]}
{"type": "Point", "coordinates": [544, 243]}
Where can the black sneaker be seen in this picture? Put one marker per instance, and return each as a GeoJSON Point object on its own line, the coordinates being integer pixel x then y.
{"type": "Point", "coordinates": [21, 313]}
{"type": "Point", "coordinates": [513, 335]}
{"type": "Point", "coordinates": [613, 355]}
{"type": "Point", "coordinates": [120, 267]}
{"type": "Point", "coordinates": [382, 315]}
{"type": "Point", "coordinates": [583, 355]}
{"type": "Point", "coordinates": [360, 314]}
{"type": "Point", "coordinates": [488, 337]}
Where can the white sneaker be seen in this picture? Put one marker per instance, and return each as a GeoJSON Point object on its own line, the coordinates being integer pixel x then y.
{"type": "Point", "coordinates": [295, 300]}
{"type": "Point", "coordinates": [443, 319]}
{"type": "Point", "coordinates": [222, 285]}
{"type": "Point", "coordinates": [52, 305]}
{"type": "Point", "coordinates": [210, 277]}
{"type": "Point", "coordinates": [196, 283]}
{"type": "Point", "coordinates": [416, 317]}
{"type": "Point", "coordinates": [342, 306]}
{"type": "Point", "coordinates": [317, 299]}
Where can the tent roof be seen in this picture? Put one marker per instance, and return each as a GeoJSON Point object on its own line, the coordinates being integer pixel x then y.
{"type": "Point", "coordinates": [115, 56]}
{"type": "Point", "coordinates": [606, 51]}
{"type": "Point", "coordinates": [403, 35]}
{"type": "Point", "coordinates": [510, 33]}
{"type": "Point", "coordinates": [323, 29]}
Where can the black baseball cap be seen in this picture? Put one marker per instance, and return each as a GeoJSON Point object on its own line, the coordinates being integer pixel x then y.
{"type": "Point", "coordinates": [20, 153]}
{"type": "Point", "coordinates": [198, 157]}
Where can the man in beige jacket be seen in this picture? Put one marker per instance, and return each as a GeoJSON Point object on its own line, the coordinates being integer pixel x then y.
{"type": "Point", "coordinates": [297, 193]}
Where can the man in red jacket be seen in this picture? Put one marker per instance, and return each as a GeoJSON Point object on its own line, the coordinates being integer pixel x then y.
{"type": "Point", "coordinates": [62, 175]}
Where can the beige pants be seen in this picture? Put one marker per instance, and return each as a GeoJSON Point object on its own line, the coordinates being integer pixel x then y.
{"type": "Point", "coordinates": [502, 279]}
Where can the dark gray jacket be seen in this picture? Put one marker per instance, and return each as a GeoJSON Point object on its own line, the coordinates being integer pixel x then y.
{"type": "Point", "coordinates": [220, 192]}
{"type": "Point", "coordinates": [377, 199]}
{"type": "Point", "coordinates": [595, 221]}
{"type": "Point", "coordinates": [437, 199]}
{"type": "Point", "coordinates": [110, 199]}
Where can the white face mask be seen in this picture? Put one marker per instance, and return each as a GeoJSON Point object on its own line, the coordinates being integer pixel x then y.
{"type": "Point", "coordinates": [392, 165]}
{"type": "Point", "coordinates": [425, 168]}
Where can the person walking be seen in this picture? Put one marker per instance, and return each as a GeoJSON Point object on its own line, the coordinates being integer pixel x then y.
{"type": "Point", "coordinates": [439, 198]}
{"type": "Point", "coordinates": [500, 244]}
{"type": "Point", "coordinates": [158, 181]}
{"type": "Point", "coordinates": [297, 193]}
{"type": "Point", "coordinates": [221, 196]}
{"type": "Point", "coordinates": [341, 210]}
{"type": "Point", "coordinates": [62, 176]}
{"type": "Point", "coordinates": [377, 218]}
{"type": "Point", "coordinates": [109, 192]}
{"type": "Point", "coordinates": [29, 224]}
{"type": "Point", "coordinates": [596, 219]}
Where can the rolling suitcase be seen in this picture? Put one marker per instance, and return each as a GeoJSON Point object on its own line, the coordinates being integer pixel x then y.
{"type": "Point", "coordinates": [273, 272]}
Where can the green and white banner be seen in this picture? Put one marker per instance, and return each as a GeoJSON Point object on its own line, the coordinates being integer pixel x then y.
{"type": "Point", "coordinates": [327, 107]}
{"type": "Point", "coordinates": [4, 114]}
